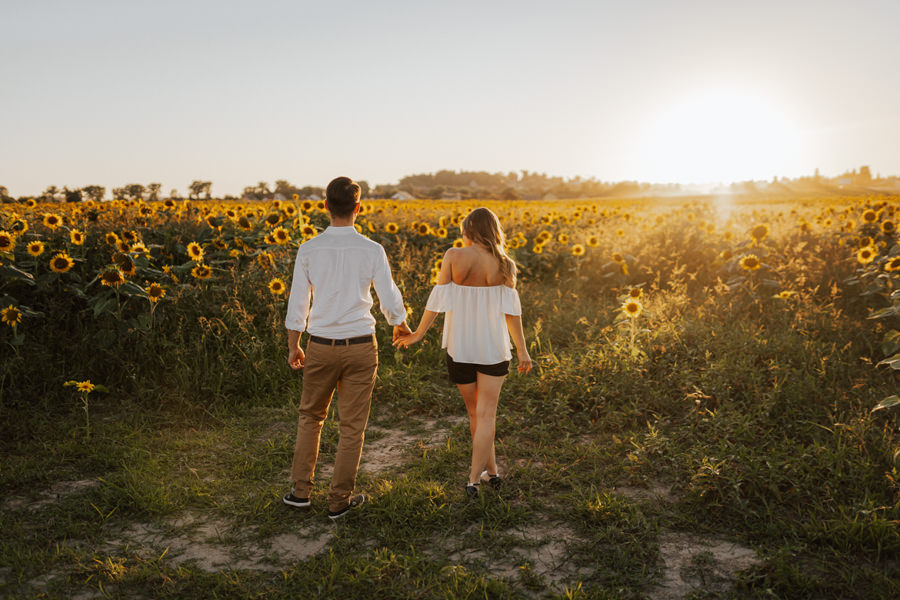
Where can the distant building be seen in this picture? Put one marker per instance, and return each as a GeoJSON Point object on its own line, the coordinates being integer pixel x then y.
{"type": "Point", "coordinates": [401, 195]}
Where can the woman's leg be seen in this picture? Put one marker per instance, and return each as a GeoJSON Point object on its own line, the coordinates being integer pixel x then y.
{"type": "Point", "coordinates": [486, 397]}
{"type": "Point", "coordinates": [469, 393]}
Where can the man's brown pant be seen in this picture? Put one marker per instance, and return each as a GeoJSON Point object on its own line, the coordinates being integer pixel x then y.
{"type": "Point", "coordinates": [352, 370]}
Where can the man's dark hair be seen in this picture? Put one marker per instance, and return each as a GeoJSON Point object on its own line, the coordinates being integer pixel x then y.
{"type": "Point", "coordinates": [342, 194]}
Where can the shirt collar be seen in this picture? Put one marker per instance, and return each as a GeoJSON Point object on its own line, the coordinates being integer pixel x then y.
{"type": "Point", "coordinates": [342, 230]}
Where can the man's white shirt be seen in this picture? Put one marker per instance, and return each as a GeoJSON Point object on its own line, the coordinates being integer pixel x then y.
{"type": "Point", "coordinates": [337, 269]}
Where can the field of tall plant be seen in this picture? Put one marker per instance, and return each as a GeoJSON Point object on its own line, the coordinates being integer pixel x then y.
{"type": "Point", "coordinates": [709, 371]}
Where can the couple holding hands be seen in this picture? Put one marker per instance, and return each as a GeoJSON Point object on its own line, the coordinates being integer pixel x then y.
{"type": "Point", "coordinates": [336, 270]}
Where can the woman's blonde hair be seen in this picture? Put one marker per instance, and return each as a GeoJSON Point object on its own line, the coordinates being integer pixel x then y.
{"type": "Point", "coordinates": [483, 227]}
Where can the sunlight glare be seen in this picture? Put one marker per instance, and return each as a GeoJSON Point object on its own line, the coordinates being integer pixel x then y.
{"type": "Point", "coordinates": [719, 135]}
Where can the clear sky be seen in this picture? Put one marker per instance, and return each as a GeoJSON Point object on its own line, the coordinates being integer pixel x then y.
{"type": "Point", "coordinates": [111, 92]}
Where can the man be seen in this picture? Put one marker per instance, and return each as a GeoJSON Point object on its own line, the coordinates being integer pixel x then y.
{"type": "Point", "coordinates": [337, 268]}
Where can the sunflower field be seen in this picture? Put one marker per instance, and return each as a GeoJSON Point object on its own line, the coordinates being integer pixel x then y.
{"type": "Point", "coordinates": [745, 350]}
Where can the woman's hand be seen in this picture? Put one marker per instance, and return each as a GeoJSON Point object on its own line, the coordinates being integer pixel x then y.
{"type": "Point", "coordinates": [525, 363]}
{"type": "Point", "coordinates": [405, 340]}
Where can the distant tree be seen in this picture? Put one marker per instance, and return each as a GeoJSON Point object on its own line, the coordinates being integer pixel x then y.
{"type": "Point", "coordinates": [134, 191]}
{"type": "Point", "coordinates": [94, 192]}
{"type": "Point", "coordinates": [153, 191]}
{"type": "Point", "coordinates": [285, 188]}
{"type": "Point", "coordinates": [364, 188]}
{"type": "Point", "coordinates": [50, 193]}
{"type": "Point", "coordinates": [510, 194]}
{"type": "Point", "coordinates": [118, 193]}
{"type": "Point", "coordinates": [198, 188]}
{"type": "Point", "coordinates": [72, 195]}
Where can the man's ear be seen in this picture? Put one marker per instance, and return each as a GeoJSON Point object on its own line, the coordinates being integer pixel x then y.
{"type": "Point", "coordinates": [357, 207]}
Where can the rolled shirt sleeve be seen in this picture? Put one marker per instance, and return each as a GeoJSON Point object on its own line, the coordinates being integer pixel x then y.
{"type": "Point", "coordinates": [298, 301]}
{"type": "Point", "coordinates": [389, 296]}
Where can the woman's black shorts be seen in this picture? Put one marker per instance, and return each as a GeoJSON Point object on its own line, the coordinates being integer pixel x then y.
{"type": "Point", "coordinates": [462, 373]}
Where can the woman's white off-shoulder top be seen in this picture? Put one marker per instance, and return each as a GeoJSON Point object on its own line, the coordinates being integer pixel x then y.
{"type": "Point", "coordinates": [474, 321]}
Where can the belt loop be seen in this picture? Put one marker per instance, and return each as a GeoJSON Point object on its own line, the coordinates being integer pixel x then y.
{"type": "Point", "coordinates": [332, 343]}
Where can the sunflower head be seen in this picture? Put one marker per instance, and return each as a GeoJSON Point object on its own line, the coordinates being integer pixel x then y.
{"type": "Point", "coordinates": [635, 293]}
{"type": "Point", "coordinates": [577, 250]}
{"type": "Point", "coordinates": [272, 219]}
{"type": "Point", "coordinates": [7, 241]}
{"type": "Point", "coordinates": [308, 231]}
{"type": "Point", "coordinates": [195, 251]}
{"type": "Point", "coordinates": [155, 292]}
{"type": "Point", "coordinates": [201, 271]}
{"type": "Point", "coordinates": [870, 216]}
{"type": "Point", "coordinates": [893, 264]}
{"type": "Point", "coordinates": [866, 255]}
{"type": "Point", "coordinates": [61, 263]}
{"type": "Point", "coordinates": [458, 243]}
{"type": "Point", "coordinates": [391, 228]}
{"type": "Point", "coordinates": [617, 257]}
{"type": "Point", "coordinates": [112, 277]}
{"type": "Point", "coordinates": [130, 236]}
{"type": "Point", "coordinates": [632, 309]}
{"type": "Point", "coordinates": [593, 241]}
{"type": "Point", "coordinates": [423, 229]}
{"type": "Point", "coordinates": [11, 315]}
{"type": "Point", "coordinates": [281, 236]}
{"type": "Point", "coordinates": [52, 221]}
{"type": "Point", "coordinates": [35, 248]}
{"type": "Point", "coordinates": [888, 227]}
{"type": "Point", "coordinates": [265, 260]}
{"type": "Point", "coordinates": [759, 232]}
{"type": "Point", "coordinates": [111, 238]}
{"type": "Point", "coordinates": [277, 287]}
{"type": "Point", "coordinates": [750, 262]}
{"type": "Point", "coordinates": [77, 237]}
{"type": "Point", "coordinates": [125, 263]}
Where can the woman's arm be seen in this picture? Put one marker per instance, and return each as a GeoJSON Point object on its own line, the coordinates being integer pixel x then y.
{"type": "Point", "coordinates": [428, 316]}
{"type": "Point", "coordinates": [514, 325]}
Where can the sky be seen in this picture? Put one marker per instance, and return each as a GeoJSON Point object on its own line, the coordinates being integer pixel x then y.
{"type": "Point", "coordinates": [111, 92]}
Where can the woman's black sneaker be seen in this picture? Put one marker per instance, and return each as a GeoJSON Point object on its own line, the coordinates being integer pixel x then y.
{"type": "Point", "coordinates": [291, 500]}
{"type": "Point", "coordinates": [472, 489]}
{"type": "Point", "coordinates": [493, 480]}
{"type": "Point", "coordinates": [355, 502]}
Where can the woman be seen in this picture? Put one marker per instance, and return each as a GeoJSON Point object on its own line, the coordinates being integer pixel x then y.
{"type": "Point", "coordinates": [476, 289]}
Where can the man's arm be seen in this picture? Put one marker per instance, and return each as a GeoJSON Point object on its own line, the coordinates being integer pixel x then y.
{"type": "Point", "coordinates": [389, 296]}
{"type": "Point", "coordinates": [297, 313]}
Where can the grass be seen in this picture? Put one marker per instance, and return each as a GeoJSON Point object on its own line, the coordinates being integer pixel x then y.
{"type": "Point", "coordinates": [736, 420]}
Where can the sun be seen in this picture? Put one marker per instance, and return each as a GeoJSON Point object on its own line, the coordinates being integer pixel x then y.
{"type": "Point", "coordinates": [719, 135]}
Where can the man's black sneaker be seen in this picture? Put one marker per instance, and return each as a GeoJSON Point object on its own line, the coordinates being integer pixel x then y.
{"type": "Point", "coordinates": [493, 480]}
{"type": "Point", "coordinates": [355, 502]}
{"type": "Point", "coordinates": [291, 500]}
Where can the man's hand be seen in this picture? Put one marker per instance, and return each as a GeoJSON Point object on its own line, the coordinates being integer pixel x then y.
{"type": "Point", "coordinates": [404, 341]}
{"type": "Point", "coordinates": [296, 358]}
{"type": "Point", "coordinates": [401, 329]}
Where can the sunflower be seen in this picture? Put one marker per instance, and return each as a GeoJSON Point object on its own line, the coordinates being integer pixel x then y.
{"type": "Point", "coordinates": [750, 262]}
{"type": "Point", "coordinates": [169, 203]}
{"type": "Point", "coordinates": [306, 206]}
{"type": "Point", "coordinates": [85, 387]}
{"type": "Point", "coordinates": [538, 248]}
{"type": "Point", "coordinates": [19, 226]}
{"type": "Point", "coordinates": [391, 228]}
{"type": "Point", "coordinates": [7, 241]}
{"type": "Point", "coordinates": [155, 292]}
{"type": "Point", "coordinates": [865, 241]}
{"type": "Point", "coordinates": [167, 269]}
{"type": "Point", "coordinates": [632, 309]}
{"type": "Point", "coordinates": [577, 250]}
{"type": "Point", "coordinates": [870, 216]}
{"type": "Point", "coordinates": [866, 255]}
{"type": "Point", "coordinates": [562, 238]}
{"type": "Point", "coordinates": [12, 316]}
{"type": "Point", "coordinates": [441, 232]}
{"type": "Point", "coordinates": [52, 221]}
{"type": "Point", "coordinates": [220, 244]}
{"type": "Point", "coordinates": [320, 206]}
{"type": "Point", "coordinates": [31, 203]}
{"type": "Point", "coordinates": [458, 243]}
{"type": "Point", "coordinates": [265, 260]}
{"type": "Point", "coordinates": [888, 227]}
{"type": "Point", "coordinates": [635, 293]}
{"type": "Point", "coordinates": [77, 237]}
{"type": "Point", "coordinates": [281, 236]}
{"type": "Point", "coordinates": [617, 257]}
{"type": "Point", "coordinates": [244, 223]}
{"type": "Point", "coordinates": [308, 231]}
{"type": "Point", "coordinates": [273, 219]}
{"type": "Point", "coordinates": [125, 263]}
{"type": "Point", "coordinates": [423, 229]}
{"type": "Point", "coordinates": [277, 287]}
{"type": "Point", "coordinates": [593, 241]}
{"type": "Point", "coordinates": [201, 271]}
{"type": "Point", "coordinates": [123, 246]}
{"type": "Point", "coordinates": [893, 264]}
{"type": "Point", "coordinates": [195, 251]}
{"type": "Point", "coordinates": [759, 233]}
{"type": "Point", "coordinates": [130, 236]}
{"type": "Point", "coordinates": [140, 248]}
{"type": "Point", "coordinates": [111, 238]}
{"type": "Point", "coordinates": [35, 248]}
{"type": "Point", "coordinates": [112, 277]}
{"type": "Point", "coordinates": [620, 232]}
{"type": "Point", "coordinates": [289, 210]}
{"type": "Point", "coordinates": [146, 211]}
{"type": "Point", "coordinates": [61, 263]}
{"type": "Point", "coordinates": [725, 254]}
{"type": "Point", "coordinates": [784, 295]}
{"type": "Point", "coordinates": [269, 239]}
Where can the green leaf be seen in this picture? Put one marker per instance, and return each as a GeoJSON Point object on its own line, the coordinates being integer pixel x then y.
{"type": "Point", "coordinates": [889, 402]}
{"type": "Point", "coordinates": [892, 362]}
{"type": "Point", "coordinates": [890, 311]}
{"type": "Point", "coordinates": [11, 272]}
{"type": "Point", "coordinates": [891, 342]}
{"type": "Point", "coordinates": [102, 305]}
